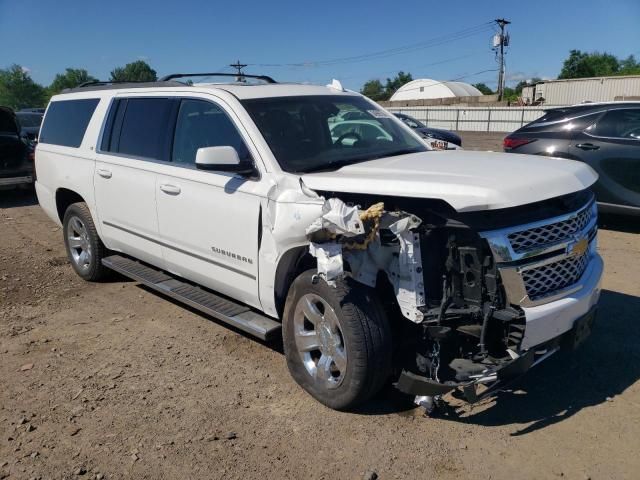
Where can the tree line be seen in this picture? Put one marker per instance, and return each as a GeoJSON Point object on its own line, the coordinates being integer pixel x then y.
{"type": "Point", "coordinates": [577, 65]}
{"type": "Point", "coordinates": [18, 90]}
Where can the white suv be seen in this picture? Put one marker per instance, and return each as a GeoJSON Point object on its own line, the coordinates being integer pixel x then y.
{"type": "Point", "coordinates": [374, 258]}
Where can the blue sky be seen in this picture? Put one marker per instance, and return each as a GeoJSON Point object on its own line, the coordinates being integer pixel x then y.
{"type": "Point", "coordinates": [190, 35]}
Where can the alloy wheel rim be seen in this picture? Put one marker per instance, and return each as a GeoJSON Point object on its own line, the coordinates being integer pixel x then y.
{"type": "Point", "coordinates": [79, 244]}
{"type": "Point", "coordinates": [319, 340]}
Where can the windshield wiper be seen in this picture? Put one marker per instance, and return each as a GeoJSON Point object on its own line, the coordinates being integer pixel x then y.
{"type": "Point", "coordinates": [331, 166]}
{"type": "Point", "coordinates": [395, 153]}
{"type": "Point", "coordinates": [337, 164]}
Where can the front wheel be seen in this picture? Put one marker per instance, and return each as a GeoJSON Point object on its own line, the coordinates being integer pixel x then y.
{"type": "Point", "coordinates": [84, 247]}
{"type": "Point", "coordinates": [337, 340]}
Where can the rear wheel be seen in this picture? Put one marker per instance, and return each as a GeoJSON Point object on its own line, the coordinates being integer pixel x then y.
{"type": "Point", "coordinates": [337, 340]}
{"type": "Point", "coordinates": [84, 247]}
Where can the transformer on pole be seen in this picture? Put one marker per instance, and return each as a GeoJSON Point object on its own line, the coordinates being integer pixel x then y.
{"type": "Point", "coordinates": [500, 41]}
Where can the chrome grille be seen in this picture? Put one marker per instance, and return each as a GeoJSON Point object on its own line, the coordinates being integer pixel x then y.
{"type": "Point", "coordinates": [546, 279]}
{"type": "Point", "coordinates": [549, 234]}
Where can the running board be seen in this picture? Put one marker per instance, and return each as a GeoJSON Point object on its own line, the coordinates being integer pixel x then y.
{"type": "Point", "coordinates": [234, 314]}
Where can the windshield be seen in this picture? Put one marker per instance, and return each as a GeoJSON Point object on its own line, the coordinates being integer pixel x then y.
{"type": "Point", "coordinates": [410, 121]}
{"type": "Point", "coordinates": [314, 133]}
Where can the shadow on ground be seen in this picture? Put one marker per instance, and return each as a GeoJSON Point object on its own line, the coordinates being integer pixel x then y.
{"type": "Point", "coordinates": [604, 367]}
{"type": "Point", "coordinates": [17, 197]}
{"type": "Point", "coordinates": [620, 223]}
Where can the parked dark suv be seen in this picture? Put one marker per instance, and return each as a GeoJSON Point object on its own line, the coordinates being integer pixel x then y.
{"type": "Point", "coordinates": [16, 155]}
{"type": "Point", "coordinates": [606, 136]}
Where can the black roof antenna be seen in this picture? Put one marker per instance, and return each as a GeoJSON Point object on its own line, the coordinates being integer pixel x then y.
{"type": "Point", "coordinates": [239, 66]}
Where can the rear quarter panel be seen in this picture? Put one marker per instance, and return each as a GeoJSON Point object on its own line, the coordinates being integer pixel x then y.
{"type": "Point", "coordinates": [70, 168]}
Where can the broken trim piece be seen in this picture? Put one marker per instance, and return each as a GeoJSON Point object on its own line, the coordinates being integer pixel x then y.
{"type": "Point", "coordinates": [335, 234]}
{"type": "Point", "coordinates": [329, 257]}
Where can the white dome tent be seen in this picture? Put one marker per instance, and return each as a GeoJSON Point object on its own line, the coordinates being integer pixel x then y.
{"type": "Point", "coordinates": [426, 88]}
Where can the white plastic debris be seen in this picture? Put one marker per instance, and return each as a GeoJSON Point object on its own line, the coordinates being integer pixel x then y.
{"type": "Point", "coordinates": [329, 257]}
{"type": "Point", "coordinates": [339, 218]}
{"type": "Point", "coordinates": [336, 85]}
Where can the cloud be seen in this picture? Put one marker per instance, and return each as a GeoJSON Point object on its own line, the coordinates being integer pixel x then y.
{"type": "Point", "coordinates": [25, 69]}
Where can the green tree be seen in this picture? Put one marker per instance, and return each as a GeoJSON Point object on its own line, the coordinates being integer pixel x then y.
{"type": "Point", "coordinates": [18, 90]}
{"type": "Point", "coordinates": [526, 83]}
{"type": "Point", "coordinates": [138, 71]}
{"type": "Point", "coordinates": [396, 82]}
{"type": "Point", "coordinates": [72, 77]}
{"type": "Point", "coordinates": [374, 90]}
{"type": "Point", "coordinates": [629, 66]}
{"type": "Point", "coordinates": [582, 64]}
{"type": "Point", "coordinates": [483, 88]}
{"type": "Point", "coordinates": [510, 94]}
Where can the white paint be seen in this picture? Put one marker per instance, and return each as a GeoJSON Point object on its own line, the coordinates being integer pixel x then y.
{"type": "Point", "coordinates": [467, 180]}
{"type": "Point", "coordinates": [223, 210]}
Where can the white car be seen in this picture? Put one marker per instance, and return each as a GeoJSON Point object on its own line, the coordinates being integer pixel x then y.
{"type": "Point", "coordinates": [375, 259]}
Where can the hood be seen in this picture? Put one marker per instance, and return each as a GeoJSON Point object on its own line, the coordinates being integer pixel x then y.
{"type": "Point", "coordinates": [467, 180]}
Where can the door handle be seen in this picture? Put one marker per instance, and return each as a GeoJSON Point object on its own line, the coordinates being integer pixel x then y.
{"type": "Point", "coordinates": [170, 189]}
{"type": "Point", "coordinates": [104, 173]}
{"type": "Point", "coordinates": [587, 146]}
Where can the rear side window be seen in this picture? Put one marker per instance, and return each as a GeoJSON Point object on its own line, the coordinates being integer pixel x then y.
{"type": "Point", "coordinates": [204, 124]}
{"type": "Point", "coordinates": [66, 122]}
{"type": "Point", "coordinates": [139, 127]}
{"type": "Point", "coordinates": [619, 124]}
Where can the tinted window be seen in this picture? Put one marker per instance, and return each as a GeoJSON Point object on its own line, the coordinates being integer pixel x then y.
{"type": "Point", "coordinates": [144, 128]}
{"type": "Point", "coordinates": [619, 124]}
{"type": "Point", "coordinates": [66, 122]}
{"type": "Point", "coordinates": [29, 119]}
{"type": "Point", "coordinates": [203, 124]}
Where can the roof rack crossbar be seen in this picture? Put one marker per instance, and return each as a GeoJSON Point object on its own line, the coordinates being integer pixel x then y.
{"type": "Point", "coordinates": [106, 82]}
{"type": "Point", "coordinates": [173, 76]}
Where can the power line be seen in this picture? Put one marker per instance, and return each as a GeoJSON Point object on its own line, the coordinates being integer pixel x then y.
{"type": "Point", "coordinates": [452, 80]}
{"type": "Point", "coordinates": [395, 70]}
{"type": "Point", "coordinates": [433, 42]}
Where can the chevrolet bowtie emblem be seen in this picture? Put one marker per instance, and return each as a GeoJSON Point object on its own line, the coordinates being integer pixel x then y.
{"type": "Point", "coordinates": [578, 248]}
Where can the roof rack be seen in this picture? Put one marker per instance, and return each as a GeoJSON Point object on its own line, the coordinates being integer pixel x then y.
{"type": "Point", "coordinates": [96, 83]}
{"type": "Point", "coordinates": [104, 85]}
{"type": "Point", "coordinates": [173, 76]}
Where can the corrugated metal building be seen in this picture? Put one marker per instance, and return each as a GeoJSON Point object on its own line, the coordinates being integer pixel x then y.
{"type": "Point", "coordinates": [578, 90]}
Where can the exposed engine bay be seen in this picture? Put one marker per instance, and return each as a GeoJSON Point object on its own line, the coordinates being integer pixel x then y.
{"type": "Point", "coordinates": [444, 281]}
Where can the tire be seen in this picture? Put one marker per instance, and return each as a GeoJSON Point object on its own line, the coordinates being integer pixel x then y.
{"type": "Point", "coordinates": [84, 247]}
{"type": "Point", "coordinates": [337, 340]}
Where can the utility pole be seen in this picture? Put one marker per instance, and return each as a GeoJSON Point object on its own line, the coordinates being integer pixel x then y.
{"type": "Point", "coordinates": [500, 41]}
{"type": "Point", "coordinates": [239, 66]}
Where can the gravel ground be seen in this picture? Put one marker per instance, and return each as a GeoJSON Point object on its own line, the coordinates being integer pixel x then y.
{"type": "Point", "coordinates": [491, 141]}
{"type": "Point", "coordinates": [113, 381]}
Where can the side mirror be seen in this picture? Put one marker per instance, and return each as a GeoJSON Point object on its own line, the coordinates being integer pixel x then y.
{"type": "Point", "coordinates": [222, 159]}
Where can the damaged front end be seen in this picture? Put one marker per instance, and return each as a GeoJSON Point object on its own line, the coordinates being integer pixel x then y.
{"type": "Point", "coordinates": [436, 272]}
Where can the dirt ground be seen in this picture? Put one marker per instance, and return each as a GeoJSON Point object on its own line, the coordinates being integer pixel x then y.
{"type": "Point", "coordinates": [113, 381]}
{"type": "Point", "coordinates": [491, 141]}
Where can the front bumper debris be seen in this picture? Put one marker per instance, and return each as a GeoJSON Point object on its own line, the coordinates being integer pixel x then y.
{"type": "Point", "coordinates": [499, 378]}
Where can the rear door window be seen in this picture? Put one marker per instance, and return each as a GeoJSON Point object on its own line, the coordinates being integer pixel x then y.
{"type": "Point", "coordinates": [623, 124]}
{"type": "Point", "coordinates": [66, 121]}
{"type": "Point", "coordinates": [140, 127]}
